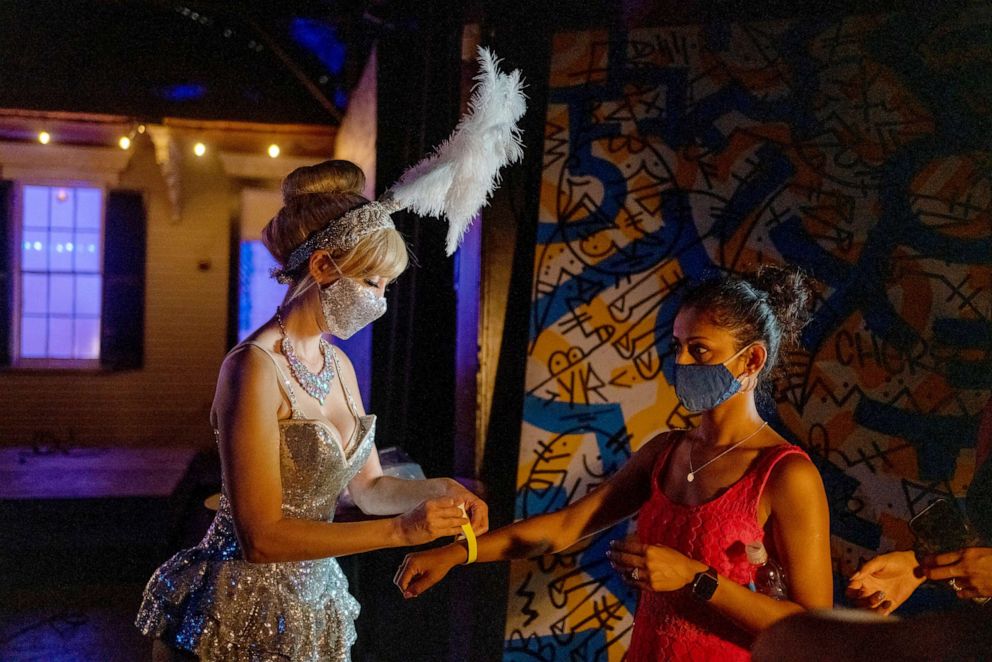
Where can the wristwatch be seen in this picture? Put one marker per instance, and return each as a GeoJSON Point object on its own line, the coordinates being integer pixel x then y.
{"type": "Point", "coordinates": [704, 584]}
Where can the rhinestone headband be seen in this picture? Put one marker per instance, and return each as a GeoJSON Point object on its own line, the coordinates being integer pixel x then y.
{"type": "Point", "coordinates": [341, 234]}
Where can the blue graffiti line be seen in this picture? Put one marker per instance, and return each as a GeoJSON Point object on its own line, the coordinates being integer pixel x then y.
{"type": "Point", "coordinates": [856, 287]}
{"type": "Point", "coordinates": [678, 236]}
{"type": "Point", "coordinates": [585, 646]}
{"type": "Point", "coordinates": [679, 127]}
{"type": "Point", "coordinates": [596, 553]}
{"type": "Point", "coordinates": [963, 333]}
{"type": "Point", "coordinates": [862, 286]}
{"type": "Point", "coordinates": [937, 439]}
{"type": "Point", "coordinates": [975, 375]}
{"type": "Point", "coordinates": [979, 501]}
{"type": "Point", "coordinates": [560, 418]}
{"type": "Point", "coordinates": [946, 93]}
{"type": "Point", "coordinates": [579, 589]}
{"type": "Point", "coordinates": [929, 242]}
{"type": "Point", "coordinates": [967, 334]}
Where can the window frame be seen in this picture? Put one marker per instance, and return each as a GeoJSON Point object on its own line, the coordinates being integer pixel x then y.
{"type": "Point", "coordinates": [17, 362]}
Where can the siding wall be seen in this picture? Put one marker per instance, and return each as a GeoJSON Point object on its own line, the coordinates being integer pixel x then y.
{"type": "Point", "coordinates": [168, 401]}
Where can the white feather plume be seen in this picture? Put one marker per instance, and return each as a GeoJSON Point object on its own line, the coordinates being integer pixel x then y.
{"type": "Point", "coordinates": [458, 178]}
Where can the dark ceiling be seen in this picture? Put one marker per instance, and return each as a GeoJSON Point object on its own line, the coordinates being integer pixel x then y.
{"type": "Point", "coordinates": [277, 61]}
{"type": "Point", "coordinates": [286, 62]}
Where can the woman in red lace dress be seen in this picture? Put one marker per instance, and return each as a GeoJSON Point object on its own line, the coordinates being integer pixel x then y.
{"type": "Point", "coordinates": [702, 494]}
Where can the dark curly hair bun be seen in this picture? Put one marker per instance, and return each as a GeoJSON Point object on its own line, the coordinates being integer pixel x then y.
{"type": "Point", "coordinates": [772, 306]}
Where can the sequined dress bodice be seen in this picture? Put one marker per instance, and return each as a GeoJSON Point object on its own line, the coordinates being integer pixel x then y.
{"type": "Point", "coordinates": [212, 602]}
{"type": "Point", "coordinates": [675, 625]}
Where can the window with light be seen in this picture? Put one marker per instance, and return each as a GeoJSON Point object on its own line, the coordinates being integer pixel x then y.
{"type": "Point", "coordinates": [60, 274]}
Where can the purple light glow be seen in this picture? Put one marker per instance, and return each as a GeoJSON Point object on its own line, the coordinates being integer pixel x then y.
{"type": "Point", "coordinates": [60, 265]}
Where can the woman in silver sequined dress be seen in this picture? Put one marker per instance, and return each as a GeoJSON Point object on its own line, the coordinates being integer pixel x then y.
{"type": "Point", "coordinates": [263, 584]}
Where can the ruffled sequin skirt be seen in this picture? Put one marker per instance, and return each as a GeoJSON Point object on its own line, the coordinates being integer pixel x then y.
{"type": "Point", "coordinates": [228, 610]}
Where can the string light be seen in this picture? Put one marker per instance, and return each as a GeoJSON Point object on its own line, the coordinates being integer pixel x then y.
{"type": "Point", "coordinates": [44, 137]}
{"type": "Point", "coordinates": [124, 142]}
{"type": "Point", "coordinates": [273, 150]}
{"type": "Point", "coordinates": [199, 149]}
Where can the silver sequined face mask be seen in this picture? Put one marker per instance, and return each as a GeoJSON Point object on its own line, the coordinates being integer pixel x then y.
{"type": "Point", "coordinates": [349, 306]}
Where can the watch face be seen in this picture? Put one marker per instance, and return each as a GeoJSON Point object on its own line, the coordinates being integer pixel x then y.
{"type": "Point", "coordinates": [704, 585]}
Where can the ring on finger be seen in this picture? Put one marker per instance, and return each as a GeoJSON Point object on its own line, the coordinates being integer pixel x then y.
{"type": "Point", "coordinates": [635, 574]}
{"type": "Point", "coordinates": [953, 583]}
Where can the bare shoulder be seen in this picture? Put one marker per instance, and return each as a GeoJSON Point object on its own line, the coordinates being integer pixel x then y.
{"type": "Point", "coordinates": [794, 476]}
{"type": "Point", "coordinates": [347, 367]}
{"type": "Point", "coordinates": [246, 374]}
{"type": "Point", "coordinates": [344, 359]}
{"type": "Point", "coordinates": [245, 362]}
{"type": "Point", "coordinates": [649, 451]}
{"type": "Point", "coordinates": [348, 375]}
{"type": "Point", "coordinates": [661, 440]}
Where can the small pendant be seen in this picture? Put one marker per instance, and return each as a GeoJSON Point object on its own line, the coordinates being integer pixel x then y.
{"type": "Point", "coordinates": [690, 477]}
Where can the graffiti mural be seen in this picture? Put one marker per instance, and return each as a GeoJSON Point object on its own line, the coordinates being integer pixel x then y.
{"type": "Point", "coordinates": [857, 148]}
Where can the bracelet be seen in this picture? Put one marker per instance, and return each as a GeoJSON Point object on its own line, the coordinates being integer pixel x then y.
{"type": "Point", "coordinates": [470, 541]}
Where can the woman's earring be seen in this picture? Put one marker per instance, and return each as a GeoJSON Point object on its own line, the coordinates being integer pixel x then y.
{"type": "Point", "coordinates": [750, 382]}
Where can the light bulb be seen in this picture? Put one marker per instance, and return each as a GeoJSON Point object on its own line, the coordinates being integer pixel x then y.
{"type": "Point", "coordinates": [124, 142]}
{"type": "Point", "coordinates": [199, 149]}
{"type": "Point", "coordinates": [273, 150]}
{"type": "Point", "coordinates": [44, 137]}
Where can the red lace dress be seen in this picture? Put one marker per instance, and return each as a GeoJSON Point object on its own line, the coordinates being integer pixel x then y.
{"type": "Point", "coordinates": [675, 625]}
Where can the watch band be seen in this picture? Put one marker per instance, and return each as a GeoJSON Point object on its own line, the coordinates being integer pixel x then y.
{"type": "Point", "coordinates": [704, 584]}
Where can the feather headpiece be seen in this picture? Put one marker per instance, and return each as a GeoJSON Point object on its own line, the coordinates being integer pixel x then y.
{"type": "Point", "coordinates": [455, 181]}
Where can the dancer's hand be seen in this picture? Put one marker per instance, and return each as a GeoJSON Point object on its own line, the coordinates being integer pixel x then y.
{"type": "Point", "coordinates": [652, 567]}
{"type": "Point", "coordinates": [421, 570]}
{"type": "Point", "coordinates": [970, 570]}
{"type": "Point", "coordinates": [478, 511]}
{"type": "Point", "coordinates": [885, 582]}
{"type": "Point", "coordinates": [428, 521]}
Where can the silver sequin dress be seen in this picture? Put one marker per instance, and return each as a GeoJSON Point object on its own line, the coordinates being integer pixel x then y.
{"type": "Point", "coordinates": [210, 601]}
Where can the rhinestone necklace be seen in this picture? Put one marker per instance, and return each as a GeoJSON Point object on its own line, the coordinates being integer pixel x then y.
{"type": "Point", "coordinates": [316, 385]}
{"type": "Point", "coordinates": [691, 476]}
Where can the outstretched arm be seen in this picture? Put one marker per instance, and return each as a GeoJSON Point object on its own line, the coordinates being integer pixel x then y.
{"type": "Point", "coordinates": [885, 582]}
{"type": "Point", "coordinates": [377, 494]}
{"type": "Point", "coordinates": [246, 405]}
{"type": "Point", "coordinates": [615, 500]}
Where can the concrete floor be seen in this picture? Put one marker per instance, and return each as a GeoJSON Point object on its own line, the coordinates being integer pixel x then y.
{"type": "Point", "coordinates": [82, 533]}
{"type": "Point", "coordinates": [82, 622]}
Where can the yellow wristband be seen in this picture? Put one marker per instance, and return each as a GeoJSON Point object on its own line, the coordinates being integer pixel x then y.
{"type": "Point", "coordinates": [469, 533]}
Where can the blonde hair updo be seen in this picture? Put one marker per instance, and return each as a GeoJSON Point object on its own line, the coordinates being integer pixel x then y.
{"type": "Point", "coordinates": [312, 197]}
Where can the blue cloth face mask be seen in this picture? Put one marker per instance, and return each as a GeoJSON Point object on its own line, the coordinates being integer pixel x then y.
{"type": "Point", "coordinates": [700, 386]}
